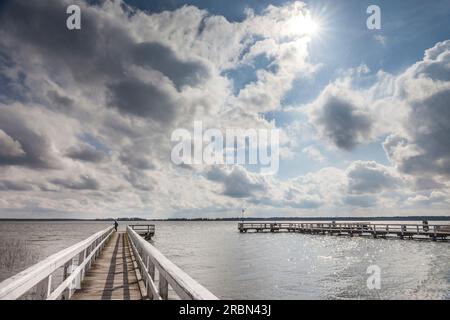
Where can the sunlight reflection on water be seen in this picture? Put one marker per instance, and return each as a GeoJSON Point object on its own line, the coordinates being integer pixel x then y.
{"type": "Point", "coordinates": [272, 266]}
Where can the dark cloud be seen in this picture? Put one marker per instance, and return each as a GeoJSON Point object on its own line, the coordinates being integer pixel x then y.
{"type": "Point", "coordinates": [85, 152]}
{"type": "Point", "coordinates": [99, 54]}
{"type": "Point", "coordinates": [364, 201]}
{"type": "Point", "coordinates": [9, 148]}
{"type": "Point", "coordinates": [163, 59]}
{"type": "Point", "coordinates": [423, 152]}
{"type": "Point", "coordinates": [369, 177]}
{"type": "Point", "coordinates": [83, 183]}
{"type": "Point", "coordinates": [341, 122]}
{"type": "Point", "coordinates": [429, 127]}
{"type": "Point", "coordinates": [135, 97]}
{"type": "Point", "coordinates": [237, 184]}
{"type": "Point", "coordinates": [216, 174]}
{"type": "Point", "coordinates": [300, 200]}
{"type": "Point", "coordinates": [13, 85]}
{"type": "Point", "coordinates": [9, 185]}
{"type": "Point", "coordinates": [136, 161]}
{"type": "Point", "coordinates": [32, 148]}
{"type": "Point", "coordinates": [60, 102]}
{"type": "Point", "coordinates": [139, 181]}
{"type": "Point", "coordinates": [303, 204]}
{"type": "Point", "coordinates": [39, 28]}
{"type": "Point", "coordinates": [427, 183]}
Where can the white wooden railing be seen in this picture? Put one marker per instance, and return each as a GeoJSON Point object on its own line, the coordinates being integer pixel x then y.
{"type": "Point", "coordinates": [36, 282]}
{"type": "Point", "coordinates": [433, 231]}
{"type": "Point", "coordinates": [151, 261]}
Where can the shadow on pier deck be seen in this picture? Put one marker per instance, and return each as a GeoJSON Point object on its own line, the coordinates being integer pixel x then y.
{"type": "Point", "coordinates": [112, 276]}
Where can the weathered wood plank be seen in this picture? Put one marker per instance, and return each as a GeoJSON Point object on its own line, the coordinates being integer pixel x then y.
{"type": "Point", "coordinates": [112, 275]}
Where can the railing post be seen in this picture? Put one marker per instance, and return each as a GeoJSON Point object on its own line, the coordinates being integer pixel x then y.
{"type": "Point", "coordinates": [66, 294]}
{"type": "Point", "coordinates": [151, 269]}
{"type": "Point", "coordinates": [163, 287]}
{"type": "Point", "coordinates": [147, 284]}
{"type": "Point", "coordinates": [43, 288]}
{"type": "Point", "coordinates": [81, 258]}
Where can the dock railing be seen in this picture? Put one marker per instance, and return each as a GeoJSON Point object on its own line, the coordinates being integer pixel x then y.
{"type": "Point", "coordinates": [153, 263]}
{"type": "Point", "coordinates": [145, 230]}
{"type": "Point", "coordinates": [431, 231]}
{"type": "Point", "coordinates": [40, 280]}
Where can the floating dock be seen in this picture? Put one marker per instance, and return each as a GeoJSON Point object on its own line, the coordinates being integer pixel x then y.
{"type": "Point", "coordinates": [433, 232]}
{"type": "Point", "coordinates": [106, 266]}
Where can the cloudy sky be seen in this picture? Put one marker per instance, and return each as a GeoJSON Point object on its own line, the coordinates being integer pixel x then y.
{"type": "Point", "coordinates": [86, 115]}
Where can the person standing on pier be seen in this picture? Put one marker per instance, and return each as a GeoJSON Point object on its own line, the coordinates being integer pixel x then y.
{"type": "Point", "coordinates": [116, 224]}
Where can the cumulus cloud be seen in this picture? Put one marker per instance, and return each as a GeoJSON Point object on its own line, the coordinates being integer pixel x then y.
{"type": "Point", "coordinates": [138, 98]}
{"type": "Point", "coordinates": [163, 59]}
{"type": "Point", "coordinates": [422, 150]}
{"type": "Point", "coordinates": [85, 152]}
{"type": "Point", "coordinates": [22, 144]}
{"type": "Point", "coordinates": [88, 113]}
{"type": "Point", "coordinates": [370, 177]}
{"type": "Point", "coordinates": [9, 185]}
{"type": "Point", "coordinates": [313, 153]}
{"type": "Point", "coordinates": [427, 200]}
{"type": "Point", "coordinates": [429, 128]}
{"type": "Point", "coordinates": [295, 197]}
{"type": "Point", "coordinates": [409, 111]}
{"type": "Point", "coordinates": [341, 119]}
{"type": "Point", "coordinates": [364, 201]}
{"type": "Point", "coordinates": [9, 147]}
{"type": "Point", "coordinates": [237, 182]}
{"type": "Point", "coordinates": [82, 183]}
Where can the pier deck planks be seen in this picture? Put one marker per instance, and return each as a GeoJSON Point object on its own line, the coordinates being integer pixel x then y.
{"type": "Point", "coordinates": [112, 276]}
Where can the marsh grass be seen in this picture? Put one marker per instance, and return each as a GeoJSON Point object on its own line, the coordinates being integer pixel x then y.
{"type": "Point", "coordinates": [15, 256]}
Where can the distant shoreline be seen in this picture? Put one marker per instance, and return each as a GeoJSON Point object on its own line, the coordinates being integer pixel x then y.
{"type": "Point", "coordinates": [394, 218]}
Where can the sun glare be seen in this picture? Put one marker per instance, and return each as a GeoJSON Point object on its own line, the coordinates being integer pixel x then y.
{"type": "Point", "coordinates": [310, 26]}
{"type": "Point", "coordinates": [306, 25]}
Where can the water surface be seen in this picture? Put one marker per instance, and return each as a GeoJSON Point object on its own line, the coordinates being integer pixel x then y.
{"type": "Point", "coordinates": [269, 266]}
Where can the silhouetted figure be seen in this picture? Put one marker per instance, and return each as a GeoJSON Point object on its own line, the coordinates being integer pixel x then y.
{"type": "Point", "coordinates": [115, 225]}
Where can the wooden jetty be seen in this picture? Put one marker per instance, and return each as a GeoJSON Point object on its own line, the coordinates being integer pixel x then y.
{"type": "Point", "coordinates": [145, 230]}
{"type": "Point", "coordinates": [107, 265]}
{"type": "Point", "coordinates": [433, 232]}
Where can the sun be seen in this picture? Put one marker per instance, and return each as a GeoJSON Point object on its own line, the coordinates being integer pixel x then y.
{"type": "Point", "coordinates": [305, 25]}
{"type": "Point", "coordinates": [310, 26]}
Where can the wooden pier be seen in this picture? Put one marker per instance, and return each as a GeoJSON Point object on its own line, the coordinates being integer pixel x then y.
{"type": "Point", "coordinates": [111, 276]}
{"type": "Point", "coordinates": [401, 231]}
{"type": "Point", "coordinates": [108, 265]}
{"type": "Point", "coordinates": [145, 230]}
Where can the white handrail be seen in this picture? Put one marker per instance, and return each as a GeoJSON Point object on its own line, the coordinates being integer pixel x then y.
{"type": "Point", "coordinates": [149, 259]}
{"type": "Point", "coordinates": [39, 276]}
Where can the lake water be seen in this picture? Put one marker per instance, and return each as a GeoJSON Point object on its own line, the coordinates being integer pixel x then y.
{"type": "Point", "coordinates": [260, 266]}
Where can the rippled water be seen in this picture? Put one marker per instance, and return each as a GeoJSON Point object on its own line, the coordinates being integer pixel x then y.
{"type": "Point", "coordinates": [270, 266]}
